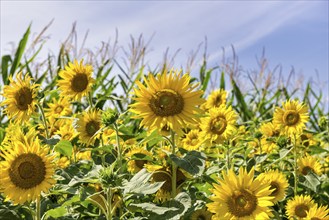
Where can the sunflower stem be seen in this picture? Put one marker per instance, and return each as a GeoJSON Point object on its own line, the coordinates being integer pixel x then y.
{"type": "Point", "coordinates": [295, 166]}
{"type": "Point", "coordinates": [119, 157]}
{"type": "Point", "coordinates": [43, 119]}
{"type": "Point", "coordinates": [174, 167]}
{"type": "Point", "coordinates": [109, 204]}
{"type": "Point", "coordinates": [90, 99]}
{"type": "Point", "coordinates": [228, 162]}
{"type": "Point", "coordinates": [38, 209]}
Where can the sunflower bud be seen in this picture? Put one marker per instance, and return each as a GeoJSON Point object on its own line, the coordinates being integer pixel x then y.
{"type": "Point", "coordinates": [109, 117]}
{"type": "Point", "coordinates": [324, 122]}
{"type": "Point", "coordinates": [107, 177]}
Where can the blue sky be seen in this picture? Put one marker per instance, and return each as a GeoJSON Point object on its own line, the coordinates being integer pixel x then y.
{"type": "Point", "coordinates": [293, 33]}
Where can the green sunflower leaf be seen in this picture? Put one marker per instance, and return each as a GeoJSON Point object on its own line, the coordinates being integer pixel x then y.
{"type": "Point", "coordinates": [193, 162]}
{"type": "Point", "coordinates": [140, 184]}
{"type": "Point", "coordinates": [64, 147]}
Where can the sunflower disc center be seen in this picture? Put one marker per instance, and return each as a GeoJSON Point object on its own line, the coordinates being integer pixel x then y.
{"type": "Point", "coordinates": [59, 109]}
{"type": "Point", "coordinates": [306, 170]}
{"type": "Point", "coordinates": [140, 163]}
{"type": "Point", "coordinates": [167, 103]}
{"type": "Point", "coordinates": [276, 187]}
{"type": "Point", "coordinates": [291, 117]}
{"type": "Point", "coordinates": [79, 82]}
{"type": "Point", "coordinates": [23, 98]}
{"type": "Point", "coordinates": [218, 125]}
{"type": "Point", "coordinates": [218, 101]}
{"type": "Point", "coordinates": [201, 217]}
{"type": "Point", "coordinates": [301, 210]}
{"type": "Point", "coordinates": [27, 171]}
{"type": "Point", "coordinates": [242, 203]}
{"type": "Point", "coordinates": [92, 127]}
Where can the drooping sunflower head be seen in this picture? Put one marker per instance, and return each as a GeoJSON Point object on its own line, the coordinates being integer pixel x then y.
{"type": "Point", "coordinates": [201, 214]}
{"type": "Point", "coordinates": [215, 99]}
{"type": "Point", "coordinates": [20, 98]}
{"type": "Point", "coordinates": [138, 157]}
{"type": "Point", "coordinates": [163, 174]}
{"type": "Point", "coordinates": [240, 197]}
{"type": "Point", "coordinates": [309, 163]}
{"type": "Point", "coordinates": [76, 80]}
{"type": "Point", "coordinates": [278, 183]}
{"type": "Point", "coordinates": [26, 172]}
{"type": "Point", "coordinates": [292, 118]}
{"type": "Point", "coordinates": [219, 125]}
{"type": "Point", "coordinates": [57, 108]}
{"type": "Point", "coordinates": [298, 207]}
{"type": "Point", "coordinates": [167, 100]}
{"type": "Point", "coordinates": [318, 213]}
{"type": "Point", "coordinates": [88, 126]}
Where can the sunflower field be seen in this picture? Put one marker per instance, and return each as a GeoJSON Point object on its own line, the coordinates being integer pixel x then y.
{"type": "Point", "coordinates": [90, 134]}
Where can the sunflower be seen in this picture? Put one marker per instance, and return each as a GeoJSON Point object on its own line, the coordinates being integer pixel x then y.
{"type": "Point", "coordinates": [309, 163]}
{"type": "Point", "coordinates": [292, 118]}
{"type": "Point", "coordinates": [219, 125]}
{"type": "Point", "coordinates": [240, 197]}
{"type": "Point", "coordinates": [26, 171]}
{"type": "Point", "coordinates": [278, 183]}
{"type": "Point", "coordinates": [88, 126]}
{"type": "Point", "coordinates": [135, 164]}
{"type": "Point", "coordinates": [318, 213]}
{"type": "Point", "coordinates": [307, 140]}
{"type": "Point", "coordinates": [167, 100]}
{"type": "Point", "coordinates": [163, 174]}
{"type": "Point", "coordinates": [57, 108]}
{"type": "Point", "coordinates": [20, 98]}
{"type": "Point", "coordinates": [269, 130]}
{"type": "Point", "coordinates": [83, 155]}
{"type": "Point", "coordinates": [298, 207]}
{"type": "Point", "coordinates": [76, 80]}
{"type": "Point", "coordinates": [270, 133]}
{"type": "Point", "coordinates": [201, 214]}
{"type": "Point", "coordinates": [192, 140]}
{"type": "Point", "coordinates": [66, 131]}
{"type": "Point", "coordinates": [215, 99]}
{"type": "Point", "coordinates": [15, 132]}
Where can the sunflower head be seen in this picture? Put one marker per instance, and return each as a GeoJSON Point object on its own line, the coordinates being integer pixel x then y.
{"type": "Point", "coordinates": [138, 157]}
{"type": "Point", "coordinates": [167, 100]}
{"type": "Point", "coordinates": [298, 207]}
{"type": "Point", "coordinates": [163, 174]}
{"type": "Point", "coordinates": [20, 98]}
{"type": "Point", "coordinates": [26, 172]}
{"type": "Point", "coordinates": [278, 183]}
{"type": "Point", "coordinates": [192, 140]}
{"type": "Point", "coordinates": [201, 214]}
{"type": "Point", "coordinates": [219, 125]}
{"type": "Point", "coordinates": [215, 99]}
{"type": "Point", "coordinates": [57, 108]}
{"type": "Point", "coordinates": [318, 213]}
{"type": "Point", "coordinates": [309, 163]}
{"type": "Point", "coordinates": [76, 80]}
{"type": "Point", "coordinates": [240, 197]}
{"type": "Point", "coordinates": [292, 118]}
{"type": "Point", "coordinates": [66, 131]}
{"type": "Point", "coordinates": [269, 130]}
{"type": "Point", "coordinates": [88, 126]}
